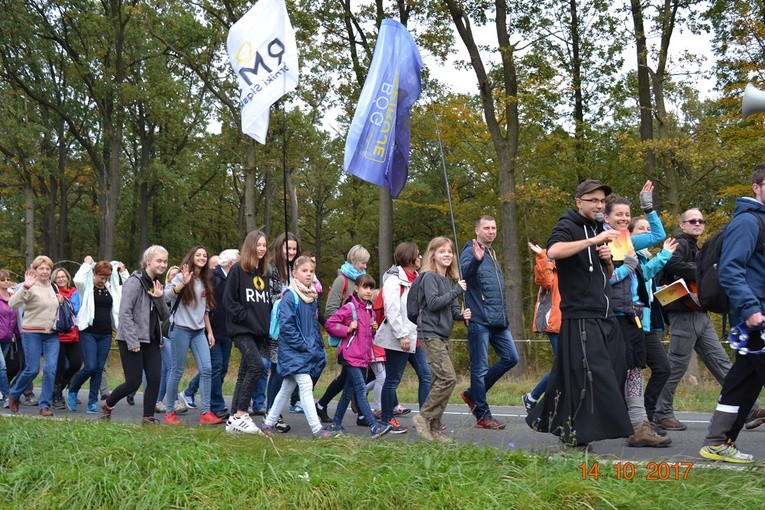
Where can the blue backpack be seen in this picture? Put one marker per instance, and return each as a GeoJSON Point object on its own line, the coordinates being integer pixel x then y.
{"type": "Point", "coordinates": [273, 330]}
{"type": "Point", "coordinates": [333, 340]}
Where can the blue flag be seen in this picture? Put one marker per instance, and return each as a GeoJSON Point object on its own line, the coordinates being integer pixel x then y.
{"type": "Point", "coordinates": [377, 148]}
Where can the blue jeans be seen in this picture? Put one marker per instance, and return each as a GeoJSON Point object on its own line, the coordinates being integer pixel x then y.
{"type": "Point", "coordinates": [395, 363]}
{"type": "Point", "coordinates": [259, 395]}
{"type": "Point", "coordinates": [183, 339]}
{"type": "Point", "coordinates": [166, 355]}
{"type": "Point", "coordinates": [483, 377]}
{"type": "Point", "coordinates": [95, 349]}
{"type": "Point", "coordinates": [540, 388]}
{"type": "Point", "coordinates": [220, 354]}
{"type": "Point", "coordinates": [4, 386]}
{"type": "Point", "coordinates": [355, 384]}
{"type": "Point", "coordinates": [36, 345]}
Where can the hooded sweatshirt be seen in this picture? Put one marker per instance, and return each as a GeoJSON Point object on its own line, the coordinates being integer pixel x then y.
{"type": "Point", "coordinates": [582, 278]}
{"type": "Point", "coordinates": [247, 302]}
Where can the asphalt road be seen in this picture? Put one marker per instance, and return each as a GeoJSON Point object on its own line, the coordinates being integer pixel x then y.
{"type": "Point", "coordinates": [461, 426]}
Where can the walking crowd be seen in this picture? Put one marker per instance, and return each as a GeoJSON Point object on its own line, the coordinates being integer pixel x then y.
{"type": "Point", "coordinates": [263, 300]}
{"type": "Point", "coordinates": [596, 303]}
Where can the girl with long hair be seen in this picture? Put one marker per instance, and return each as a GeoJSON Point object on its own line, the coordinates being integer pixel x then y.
{"type": "Point", "coordinates": [437, 299]}
{"type": "Point", "coordinates": [247, 302]}
{"type": "Point", "coordinates": [190, 328]}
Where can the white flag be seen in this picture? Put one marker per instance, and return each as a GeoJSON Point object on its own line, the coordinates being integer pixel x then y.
{"type": "Point", "coordinates": [263, 53]}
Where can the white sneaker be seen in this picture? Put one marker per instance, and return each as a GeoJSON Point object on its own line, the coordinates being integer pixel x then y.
{"type": "Point", "coordinates": [180, 407]}
{"type": "Point", "coordinates": [243, 424]}
{"type": "Point", "coordinates": [160, 407]}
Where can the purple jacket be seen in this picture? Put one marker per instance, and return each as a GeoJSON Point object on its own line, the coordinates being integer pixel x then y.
{"type": "Point", "coordinates": [359, 352]}
{"type": "Point", "coordinates": [9, 325]}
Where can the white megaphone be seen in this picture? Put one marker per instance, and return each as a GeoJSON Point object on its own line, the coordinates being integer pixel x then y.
{"type": "Point", "coordinates": [754, 101]}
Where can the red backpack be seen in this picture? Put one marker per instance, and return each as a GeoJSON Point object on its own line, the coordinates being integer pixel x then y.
{"type": "Point", "coordinates": [378, 307]}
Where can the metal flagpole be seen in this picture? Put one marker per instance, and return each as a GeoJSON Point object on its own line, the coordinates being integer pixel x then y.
{"type": "Point", "coordinates": [284, 175]}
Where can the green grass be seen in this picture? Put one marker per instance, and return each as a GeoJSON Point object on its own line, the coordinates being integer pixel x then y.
{"type": "Point", "coordinates": [81, 464]}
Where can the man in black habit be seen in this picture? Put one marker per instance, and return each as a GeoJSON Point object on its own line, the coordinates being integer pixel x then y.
{"type": "Point", "coordinates": [584, 399]}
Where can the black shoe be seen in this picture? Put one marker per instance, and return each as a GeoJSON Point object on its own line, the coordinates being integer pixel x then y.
{"type": "Point", "coordinates": [223, 414]}
{"type": "Point", "coordinates": [281, 426]}
{"type": "Point", "coordinates": [323, 415]}
{"type": "Point", "coordinates": [130, 400]}
{"type": "Point", "coordinates": [58, 403]}
{"type": "Point", "coordinates": [362, 422]}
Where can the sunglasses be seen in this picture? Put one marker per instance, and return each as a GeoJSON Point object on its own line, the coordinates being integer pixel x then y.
{"type": "Point", "coordinates": [696, 222]}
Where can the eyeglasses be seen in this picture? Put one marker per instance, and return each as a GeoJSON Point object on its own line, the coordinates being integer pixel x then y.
{"type": "Point", "coordinates": [696, 222]}
{"type": "Point", "coordinates": [594, 201]}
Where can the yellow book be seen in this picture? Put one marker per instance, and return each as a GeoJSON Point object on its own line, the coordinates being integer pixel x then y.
{"type": "Point", "coordinates": [622, 246]}
{"type": "Point", "coordinates": [677, 290]}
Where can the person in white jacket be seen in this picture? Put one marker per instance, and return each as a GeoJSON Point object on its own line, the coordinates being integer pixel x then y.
{"type": "Point", "coordinates": [398, 335]}
{"type": "Point", "coordinates": [97, 318]}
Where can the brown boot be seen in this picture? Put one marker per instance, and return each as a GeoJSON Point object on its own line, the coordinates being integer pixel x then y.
{"type": "Point", "coordinates": [438, 437]}
{"type": "Point", "coordinates": [422, 425]}
{"type": "Point", "coordinates": [645, 436]}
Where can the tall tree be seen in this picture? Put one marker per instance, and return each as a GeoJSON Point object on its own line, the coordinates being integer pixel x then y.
{"type": "Point", "coordinates": [500, 92]}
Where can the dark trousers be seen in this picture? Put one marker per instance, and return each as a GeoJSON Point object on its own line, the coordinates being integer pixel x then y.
{"type": "Point", "coordinates": [250, 368]}
{"type": "Point", "coordinates": [134, 364]}
{"type": "Point", "coordinates": [69, 363]}
{"type": "Point", "coordinates": [740, 389]}
{"type": "Point", "coordinates": [338, 384]}
{"type": "Point", "coordinates": [657, 360]}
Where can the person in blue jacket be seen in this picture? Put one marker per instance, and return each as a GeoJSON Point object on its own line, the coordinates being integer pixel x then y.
{"type": "Point", "coordinates": [301, 353]}
{"type": "Point", "coordinates": [485, 297]}
{"type": "Point", "coordinates": [742, 276]}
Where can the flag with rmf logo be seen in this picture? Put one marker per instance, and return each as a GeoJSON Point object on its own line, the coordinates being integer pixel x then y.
{"type": "Point", "coordinates": [377, 147]}
{"type": "Point", "coordinates": [264, 55]}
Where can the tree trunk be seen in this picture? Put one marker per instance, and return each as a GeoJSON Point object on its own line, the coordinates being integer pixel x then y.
{"type": "Point", "coordinates": [292, 195]}
{"type": "Point", "coordinates": [644, 89]}
{"type": "Point", "coordinates": [576, 82]}
{"type": "Point", "coordinates": [506, 147]}
{"type": "Point", "coordinates": [63, 220]}
{"type": "Point", "coordinates": [249, 187]}
{"type": "Point", "coordinates": [29, 221]}
{"type": "Point", "coordinates": [147, 143]}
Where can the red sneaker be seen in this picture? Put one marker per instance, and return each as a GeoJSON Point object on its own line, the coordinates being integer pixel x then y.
{"type": "Point", "coordinates": [45, 411]}
{"type": "Point", "coordinates": [13, 404]}
{"type": "Point", "coordinates": [469, 401]}
{"type": "Point", "coordinates": [490, 423]}
{"type": "Point", "coordinates": [171, 419]}
{"type": "Point", "coordinates": [209, 418]}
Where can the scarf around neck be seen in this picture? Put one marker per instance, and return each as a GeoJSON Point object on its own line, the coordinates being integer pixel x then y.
{"type": "Point", "coordinates": [351, 272]}
{"type": "Point", "coordinates": [307, 294]}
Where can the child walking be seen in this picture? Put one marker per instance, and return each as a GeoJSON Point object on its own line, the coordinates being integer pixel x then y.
{"type": "Point", "coordinates": [354, 324]}
{"type": "Point", "coordinates": [301, 349]}
{"type": "Point", "coordinates": [437, 299]}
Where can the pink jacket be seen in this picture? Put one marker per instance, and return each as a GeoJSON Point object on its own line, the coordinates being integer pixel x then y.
{"type": "Point", "coordinates": [359, 352]}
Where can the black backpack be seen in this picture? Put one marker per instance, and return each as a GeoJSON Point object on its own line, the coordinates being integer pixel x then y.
{"type": "Point", "coordinates": [413, 300]}
{"type": "Point", "coordinates": [712, 296]}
